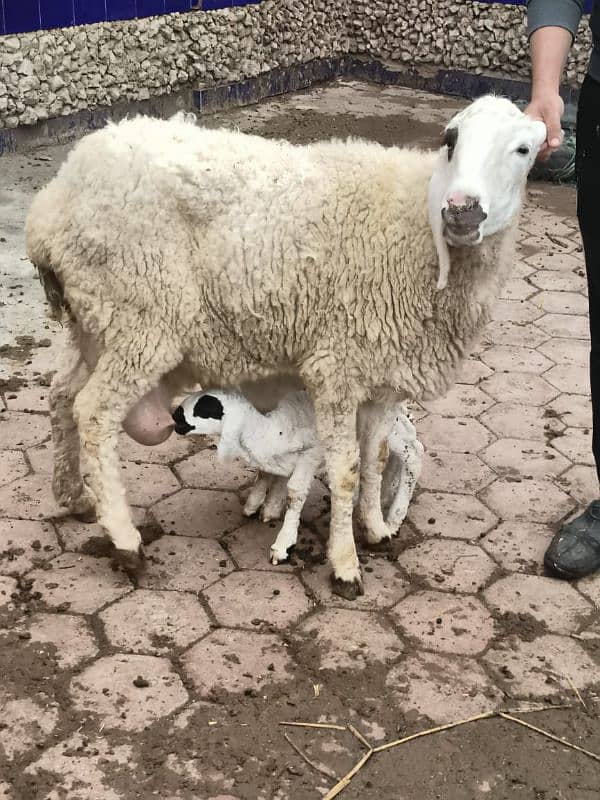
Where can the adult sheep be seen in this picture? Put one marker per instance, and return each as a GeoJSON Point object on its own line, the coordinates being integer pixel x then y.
{"type": "Point", "coordinates": [185, 255]}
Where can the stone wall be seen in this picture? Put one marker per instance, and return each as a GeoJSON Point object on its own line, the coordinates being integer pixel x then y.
{"type": "Point", "coordinates": [55, 73]}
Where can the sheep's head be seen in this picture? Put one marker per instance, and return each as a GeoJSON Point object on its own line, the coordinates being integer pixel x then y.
{"type": "Point", "coordinates": [477, 186]}
{"type": "Point", "coordinates": [200, 414]}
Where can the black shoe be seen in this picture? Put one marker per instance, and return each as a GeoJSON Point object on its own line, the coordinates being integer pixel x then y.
{"type": "Point", "coordinates": [575, 550]}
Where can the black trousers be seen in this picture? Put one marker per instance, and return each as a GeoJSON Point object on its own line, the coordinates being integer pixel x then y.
{"type": "Point", "coordinates": [588, 213]}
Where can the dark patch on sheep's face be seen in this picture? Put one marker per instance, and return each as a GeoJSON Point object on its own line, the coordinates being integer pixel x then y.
{"type": "Point", "coordinates": [449, 141]}
{"type": "Point", "coordinates": [208, 407]}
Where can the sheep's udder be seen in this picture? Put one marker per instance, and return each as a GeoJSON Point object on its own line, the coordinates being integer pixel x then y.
{"type": "Point", "coordinates": [149, 422]}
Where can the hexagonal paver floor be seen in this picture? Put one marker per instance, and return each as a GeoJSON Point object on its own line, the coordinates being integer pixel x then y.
{"type": "Point", "coordinates": [451, 565]}
{"type": "Point", "coordinates": [445, 623]}
{"type": "Point", "coordinates": [554, 603]}
{"type": "Point", "coordinates": [154, 622]}
{"type": "Point", "coordinates": [128, 691]}
{"type": "Point", "coordinates": [252, 598]}
{"type": "Point", "coordinates": [237, 661]}
{"type": "Point", "coordinates": [442, 688]}
{"type": "Point", "coordinates": [345, 639]}
{"type": "Point", "coordinates": [81, 584]}
{"type": "Point", "coordinates": [174, 682]}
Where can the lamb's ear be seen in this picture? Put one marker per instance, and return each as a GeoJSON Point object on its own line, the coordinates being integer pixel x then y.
{"type": "Point", "coordinates": [208, 407]}
{"type": "Point", "coordinates": [434, 207]}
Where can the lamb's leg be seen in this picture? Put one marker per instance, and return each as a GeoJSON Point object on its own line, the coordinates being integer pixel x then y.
{"type": "Point", "coordinates": [114, 386]}
{"type": "Point", "coordinates": [258, 493]}
{"type": "Point", "coordinates": [275, 502]}
{"type": "Point", "coordinates": [336, 426]}
{"type": "Point", "coordinates": [298, 488]}
{"type": "Point", "coordinates": [374, 454]}
{"type": "Point", "coordinates": [412, 460]}
{"type": "Point", "coordinates": [67, 483]}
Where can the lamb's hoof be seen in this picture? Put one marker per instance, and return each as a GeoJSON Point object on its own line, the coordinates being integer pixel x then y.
{"type": "Point", "coordinates": [281, 557]}
{"type": "Point", "coordinates": [131, 562]}
{"type": "Point", "coordinates": [349, 590]}
{"type": "Point", "coordinates": [380, 546]}
{"type": "Point", "coordinates": [88, 515]}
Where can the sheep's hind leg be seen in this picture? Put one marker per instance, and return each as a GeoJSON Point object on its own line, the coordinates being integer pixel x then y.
{"type": "Point", "coordinates": [275, 501]}
{"type": "Point", "coordinates": [67, 483]}
{"type": "Point", "coordinates": [114, 386]}
{"type": "Point", "coordinates": [258, 493]}
{"type": "Point", "coordinates": [337, 434]}
{"type": "Point", "coordinates": [298, 488]}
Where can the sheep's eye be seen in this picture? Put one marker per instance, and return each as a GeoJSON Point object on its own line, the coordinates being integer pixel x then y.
{"type": "Point", "coordinates": [523, 150]}
{"type": "Point", "coordinates": [449, 140]}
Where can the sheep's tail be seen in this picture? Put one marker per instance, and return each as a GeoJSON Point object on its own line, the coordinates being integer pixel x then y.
{"type": "Point", "coordinates": [54, 291]}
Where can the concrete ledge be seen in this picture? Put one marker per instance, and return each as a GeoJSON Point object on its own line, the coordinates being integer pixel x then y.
{"type": "Point", "coordinates": [275, 82]}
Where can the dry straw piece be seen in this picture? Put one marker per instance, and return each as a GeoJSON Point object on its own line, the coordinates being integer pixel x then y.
{"type": "Point", "coordinates": [343, 782]}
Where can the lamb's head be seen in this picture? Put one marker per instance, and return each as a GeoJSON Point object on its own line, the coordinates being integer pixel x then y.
{"type": "Point", "coordinates": [200, 413]}
{"type": "Point", "coordinates": [478, 182]}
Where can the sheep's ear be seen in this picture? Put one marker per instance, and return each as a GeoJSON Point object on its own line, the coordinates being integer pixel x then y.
{"type": "Point", "coordinates": [208, 407]}
{"type": "Point", "coordinates": [434, 207]}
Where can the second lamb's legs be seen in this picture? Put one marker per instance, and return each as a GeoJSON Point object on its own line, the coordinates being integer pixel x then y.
{"type": "Point", "coordinates": [298, 488]}
{"type": "Point", "coordinates": [275, 501]}
{"type": "Point", "coordinates": [258, 493]}
{"type": "Point", "coordinates": [373, 458]}
{"type": "Point", "coordinates": [411, 459]}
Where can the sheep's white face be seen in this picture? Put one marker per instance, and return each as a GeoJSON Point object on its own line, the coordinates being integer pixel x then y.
{"type": "Point", "coordinates": [200, 414]}
{"type": "Point", "coordinates": [477, 187]}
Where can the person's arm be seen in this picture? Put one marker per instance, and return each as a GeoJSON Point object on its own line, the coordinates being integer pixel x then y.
{"type": "Point", "coordinates": [552, 25]}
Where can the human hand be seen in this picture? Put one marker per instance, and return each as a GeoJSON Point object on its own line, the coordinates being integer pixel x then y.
{"type": "Point", "coordinates": [548, 107]}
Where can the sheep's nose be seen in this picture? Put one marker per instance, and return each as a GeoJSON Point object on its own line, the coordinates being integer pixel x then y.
{"type": "Point", "coordinates": [467, 215]}
{"type": "Point", "coordinates": [182, 426]}
{"type": "Point", "coordinates": [459, 199]}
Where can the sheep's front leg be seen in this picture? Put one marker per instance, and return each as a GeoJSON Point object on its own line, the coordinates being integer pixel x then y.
{"type": "Point", "coordinates": [67, 483]}
{"type": "Point", "coordinates": [412, 461]}
{"type": "Point", "coordinates": [298, 488]}
{"type": "Point", "coordinates": [258, 493]}
{"type": "Point", "coordinates": [374, 453]}
{"type": "Point", "coordinates": [337, 434]}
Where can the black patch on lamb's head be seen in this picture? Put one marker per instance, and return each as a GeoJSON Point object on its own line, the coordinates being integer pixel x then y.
{"type": "Point", "coordinates": [208, 407]}
{"type": "Point", "coordinates": [449, 141]}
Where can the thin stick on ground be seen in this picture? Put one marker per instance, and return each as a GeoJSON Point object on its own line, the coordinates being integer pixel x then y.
{"type": "Point", "coordinates": [576, 691]}
{"type": "Point", "coordinates": [359, 736]}
{"type": "Point", "coordinates": [341, 784]}
{"type": "Point", "coordinates": [549, 735]}
{"type": "Point", "coordinates": [322, 768]}
{"type": "Point", "coordinates": [429, 731]}
{"type": "Point", "coordinates": [324, 725]}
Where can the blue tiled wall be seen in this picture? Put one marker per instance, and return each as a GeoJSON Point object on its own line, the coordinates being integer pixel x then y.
{"type": "Point", "coordinates": [20, 16]}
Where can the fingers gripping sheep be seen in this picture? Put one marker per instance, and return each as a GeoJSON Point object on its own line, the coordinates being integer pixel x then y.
{"type": "Point", "coordinates": [284, 446]}
{"type": "Point", "coordinates": [319, 263]}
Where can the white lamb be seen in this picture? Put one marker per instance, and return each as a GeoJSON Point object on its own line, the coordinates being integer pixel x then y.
{"type": "Point", "coordinates": [188, 256]}
{"type": "Point", "coordinates": [284, 446]}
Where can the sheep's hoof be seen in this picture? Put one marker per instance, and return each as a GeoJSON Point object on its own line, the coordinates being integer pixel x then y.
{"type": "Point", "coordinates": [132, 563]}
{"type": "Point", "coordinates": [349, 590]}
